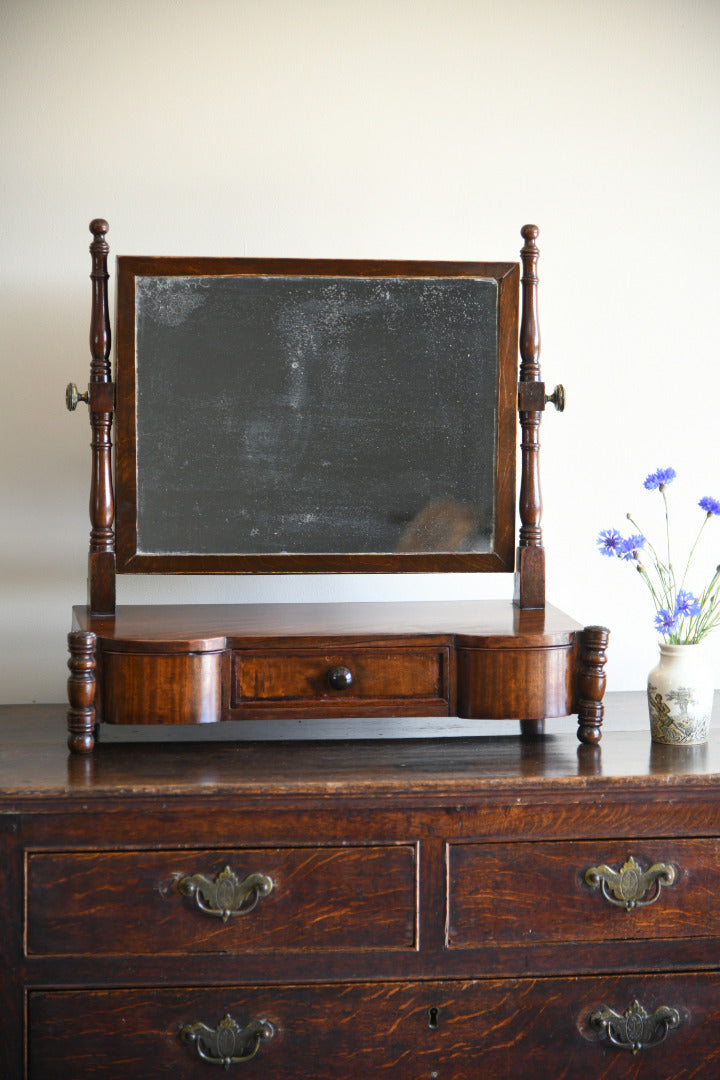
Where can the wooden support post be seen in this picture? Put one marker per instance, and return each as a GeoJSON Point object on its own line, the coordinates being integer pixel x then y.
{"type": "Point", "coordinates": [591, 683]}
{"type": "Point", "coordinates": [530, 554]}
{"type": "Point", "coordinates": [81, 691]}
{"type": "Point", "coordinates": [101, 559]}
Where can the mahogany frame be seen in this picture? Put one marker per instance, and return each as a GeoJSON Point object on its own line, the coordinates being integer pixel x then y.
{"type": "Point", "coordinates": [114, 550]}
{"type": "Point", "coordinates": [130, 560]}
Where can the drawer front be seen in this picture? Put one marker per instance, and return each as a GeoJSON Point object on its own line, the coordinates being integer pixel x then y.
{"type": "Point", "coordinates": [245, 901]}
{"type": "Point", "coordinates": [523, 684]}
{"type": "Point", "coordinates": [343, 677]}
{"type": "Point", "coordinates": [625, 1028]}
{"type": "Point", "coordinates": [585, 892]}
{"type": "Point", "coordinates": [160, 688]}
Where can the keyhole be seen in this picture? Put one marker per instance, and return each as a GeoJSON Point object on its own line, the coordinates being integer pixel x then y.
{"type": "Point", "coordinates": [433, 1013]}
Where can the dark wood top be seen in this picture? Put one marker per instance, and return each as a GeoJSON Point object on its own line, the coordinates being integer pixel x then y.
{"type": "Point", "coordinates": [35, 764]}
{"type": "Point", "coordinates": [212, 626]}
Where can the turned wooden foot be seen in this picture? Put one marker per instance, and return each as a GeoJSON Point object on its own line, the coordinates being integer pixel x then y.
{"type": "Point", "coordinates": [532, 727]}
{"type": "Point", "coordinates": [81, 691]}
{"type": "Point", "coordinates": [591, 683]}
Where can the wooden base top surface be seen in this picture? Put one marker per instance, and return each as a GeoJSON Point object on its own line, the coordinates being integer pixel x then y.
{"type": "Point", "coordinates": [215, 626]}
{"type": "Point", "coordinates": [35, 763]}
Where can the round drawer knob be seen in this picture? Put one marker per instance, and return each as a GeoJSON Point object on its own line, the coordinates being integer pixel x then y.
{"type": "Point", "coordinates": [339, 677]}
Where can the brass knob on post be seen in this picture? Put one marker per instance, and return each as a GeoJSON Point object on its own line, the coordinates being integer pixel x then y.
{"type": "Point", "coordinates": [557, 397]}
{"type": "Point", "coordinates": [73, 397]}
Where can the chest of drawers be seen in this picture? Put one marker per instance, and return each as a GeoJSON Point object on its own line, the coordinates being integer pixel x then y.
{"type": "Point", "coordinates": [412, 909]}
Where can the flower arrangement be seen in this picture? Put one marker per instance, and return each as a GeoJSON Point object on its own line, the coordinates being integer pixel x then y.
{"type": "Point", "coordinates": [681, 617]}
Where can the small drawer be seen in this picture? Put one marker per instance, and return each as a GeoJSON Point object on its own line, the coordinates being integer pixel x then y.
{"type": "Point", "coordinates": [586, 892]}
{"type": "Point", "coordinates": [621, 1027]}
{"type": "Point", "coordinates": [244, 901]}
{"type": "Point", "coordinates": [521, 683]}
{"type": "Point", "coordinates": [163, 688]}
{"type": "Point", "coordinates": [336, 681]}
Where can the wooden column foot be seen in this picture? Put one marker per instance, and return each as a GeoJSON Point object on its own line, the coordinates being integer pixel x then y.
{"type": "Point", "coordinates": [81, 691]}
{"type": "Point", "coordinates": [591, 683]}
{"type": "Point", "coordinates": [532, 727]}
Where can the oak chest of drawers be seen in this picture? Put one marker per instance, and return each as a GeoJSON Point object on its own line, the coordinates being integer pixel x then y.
{"type": "Point", "coordinates": [452, 908]}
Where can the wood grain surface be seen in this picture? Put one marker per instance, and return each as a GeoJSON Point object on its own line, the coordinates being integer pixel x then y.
{"type": "Point", "coordinates": [362, 1030]}
{"type": "Point", "coordinates": [429, 911]}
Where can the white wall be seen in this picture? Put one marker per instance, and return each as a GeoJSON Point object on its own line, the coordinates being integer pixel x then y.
{"type": "Point", "coordinates": [370, 128]}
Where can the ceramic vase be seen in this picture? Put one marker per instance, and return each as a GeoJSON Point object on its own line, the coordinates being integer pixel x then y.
{"type": "Point", "coordinates": [680, 696]}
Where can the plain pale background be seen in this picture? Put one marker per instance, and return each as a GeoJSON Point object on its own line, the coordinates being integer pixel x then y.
{"type": "Point", "coordinates": [372, 129]}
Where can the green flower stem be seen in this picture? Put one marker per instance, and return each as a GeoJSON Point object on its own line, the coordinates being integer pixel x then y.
{"type": "Point", "coordinates": [667, 530]}
{"type": "Point", "coordinates": [709, 616]}
{"type": "Point", "coordinates": [648, 581]}
{"type": "Point", "coordinates": [692, 549]}
{"type": "Point", "coordinates": [671, 569]}
{"type": "Point", "coordinates": [666, 597]}
{"type": "Point", "coordinates": [660, 569]}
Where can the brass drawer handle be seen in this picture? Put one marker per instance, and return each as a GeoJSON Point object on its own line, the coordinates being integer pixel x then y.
{"type": "Point", "coordinates": [228, 1044]}
{"type": "Point", "coordinates": [226, 895]}
{"type": "Point", "coordinates": [630, 883]}
{"type": "Point", "coordinates": [636, 1029]}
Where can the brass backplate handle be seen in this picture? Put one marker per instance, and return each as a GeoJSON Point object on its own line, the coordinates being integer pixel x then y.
{"type": "Point", "coordinates": [630, 886]}
{"type": "Point", "coordinates": [226, 895]}
{"type": "Point", "coordinates": [227, 1044]}
{"type": "Point", "coordinates": [636, 1029]}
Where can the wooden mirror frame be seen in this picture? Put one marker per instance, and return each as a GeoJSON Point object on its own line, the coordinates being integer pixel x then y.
{"type": "Point", "coordinates": [106, 559]}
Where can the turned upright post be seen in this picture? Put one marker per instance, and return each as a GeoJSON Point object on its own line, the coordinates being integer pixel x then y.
{"type": "Point", "coordinates": [530, 554]}
{"type": "Point", "coordinates": [591, 683]}
{"type": "Point", "coordinates": [101, 560]}
{"type": "Point", "coordinates": [81, 691]}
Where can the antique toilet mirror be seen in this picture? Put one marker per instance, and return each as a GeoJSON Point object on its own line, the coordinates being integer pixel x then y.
{"type": "Point", "coordinates": [319, 416]}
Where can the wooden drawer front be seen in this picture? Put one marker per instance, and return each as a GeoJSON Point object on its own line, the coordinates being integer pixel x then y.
{"type": "Point", "coordinates": [519, 893]}
{"type": "Point", "coordinates": [138, 902]}
{"type": "Point", "coordinates": [504, 1029]}
{"type": "Point", "coordinates": [159, 688]}
{"type": "Point", "coordinates": [526, 684]}
{"type": "Point", "coordinates": [303, 676]}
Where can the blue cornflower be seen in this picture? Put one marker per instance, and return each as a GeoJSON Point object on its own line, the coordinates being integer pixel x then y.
{"type": "Point", "coordinates": [686, 605]}
{"type": "Point", "coordinates": [664, 621]}
{"type": "Point", "coordinates": [659, 479]}
{"type": "Point", "coordinates": [710, 505]}
{"type": "Point", "coordinates": [630, 547]}
{"type": "Point", "coordinates": [609, 542]}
